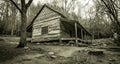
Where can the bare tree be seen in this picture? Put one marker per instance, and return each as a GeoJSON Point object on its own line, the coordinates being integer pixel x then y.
{"type": "Point", "coordinates": [13, 16]}
{"type": "Point", "coordinates": [112, 9]}
{"type": "Point", "coordinates": [23, 11]}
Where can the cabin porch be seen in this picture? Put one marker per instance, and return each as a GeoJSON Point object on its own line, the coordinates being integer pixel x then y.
{"type": "Point", "coordinates": [60, 40]}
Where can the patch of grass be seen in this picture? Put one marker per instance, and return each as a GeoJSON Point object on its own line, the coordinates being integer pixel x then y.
{"type": "Point", "coordinates": [10, 39]}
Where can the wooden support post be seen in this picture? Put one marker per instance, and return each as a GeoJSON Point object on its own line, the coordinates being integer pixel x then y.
{"type": "Point", "coordinates": [60, 41]}
{"type": "Point", "coordinates": [85, 35]}
{"type": "Point", "coordinates": [98, 35]}
{"type": "Point", "coordinates": [76, 33]}
{"type": "Point", "coordinates": [81, 34]}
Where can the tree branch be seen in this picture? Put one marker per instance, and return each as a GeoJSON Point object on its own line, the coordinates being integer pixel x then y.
{"type": "Point", "coordinates": [28, 4]}
{"type": "Point", "coordinates": [112, 10]}
{"type": "Point", "coordinates": [16, 6]}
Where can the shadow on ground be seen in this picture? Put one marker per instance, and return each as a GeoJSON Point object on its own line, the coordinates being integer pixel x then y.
{"type": "Point", "coordinates": [8, 51]}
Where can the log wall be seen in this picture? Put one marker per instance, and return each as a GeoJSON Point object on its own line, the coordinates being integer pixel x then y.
{"type": "Point", "coordinates": [51, 20]}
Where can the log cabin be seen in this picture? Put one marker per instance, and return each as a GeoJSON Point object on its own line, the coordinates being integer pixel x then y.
{"type": "Point", "coordinates": [51, 25]}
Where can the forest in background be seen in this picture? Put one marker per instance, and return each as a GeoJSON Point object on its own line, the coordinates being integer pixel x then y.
{"type": "Point", "coordinates": [96, 21]}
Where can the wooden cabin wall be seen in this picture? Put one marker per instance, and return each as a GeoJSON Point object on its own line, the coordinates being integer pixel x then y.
{"type": "Point", "coordinates": [51, 20]}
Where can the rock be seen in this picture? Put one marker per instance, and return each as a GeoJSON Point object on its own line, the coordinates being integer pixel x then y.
{"type": "Point", "coordinates": [94, 44]}
{"type": "Point", "coordinates": [26, 47]}
{"type": "Point", "coordinates": [53, 57]}
{"type": "Point", "coordinates": [51, 53]}
{"type": "Point", "coordinates": [112, 60]}
{"type": "Point", "coordinates": [37, 43]}
{"type": "Point", "coordinates": [104, 45]}
{"type": "Point", "coordinates": [95, 52]}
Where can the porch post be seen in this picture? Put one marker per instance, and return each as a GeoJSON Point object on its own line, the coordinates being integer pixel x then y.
{"type": "Point", "coordinates": [85, 35]}
{"type": "Point", "coordinates": [81, 33]}
{"type": "Point", "coordinates": [76, 33]}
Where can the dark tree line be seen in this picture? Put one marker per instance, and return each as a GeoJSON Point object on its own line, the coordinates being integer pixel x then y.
{"type": "Point", "coordinates": [7, 17]}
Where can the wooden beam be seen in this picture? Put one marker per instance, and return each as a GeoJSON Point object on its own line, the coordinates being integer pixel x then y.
{"type": "Point", "coordinates": [85, 35]}
{"type": "Point", "coordinates": [60, 41]}
{"type": "Point", "coordinates": [81, 33]}
{"type": "Point", "coordinates": [76, 33]}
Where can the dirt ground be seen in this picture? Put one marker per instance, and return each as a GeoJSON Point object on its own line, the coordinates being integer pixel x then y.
{"type": "Point", "coordinates": [51, 54]}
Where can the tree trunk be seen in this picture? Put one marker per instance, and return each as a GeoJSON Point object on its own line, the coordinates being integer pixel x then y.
{"type": "Point", "coordinates": [23, 33]}
{"type": "Point", "coordinates": [13, 21]}
{"type": "Point", "coordinates": [6, 19]}
{"type": "Point", "coordinates": [12, 31]}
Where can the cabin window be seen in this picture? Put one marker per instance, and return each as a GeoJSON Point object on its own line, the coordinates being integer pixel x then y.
{"type": "Point", "coordinates": [45, 30]}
